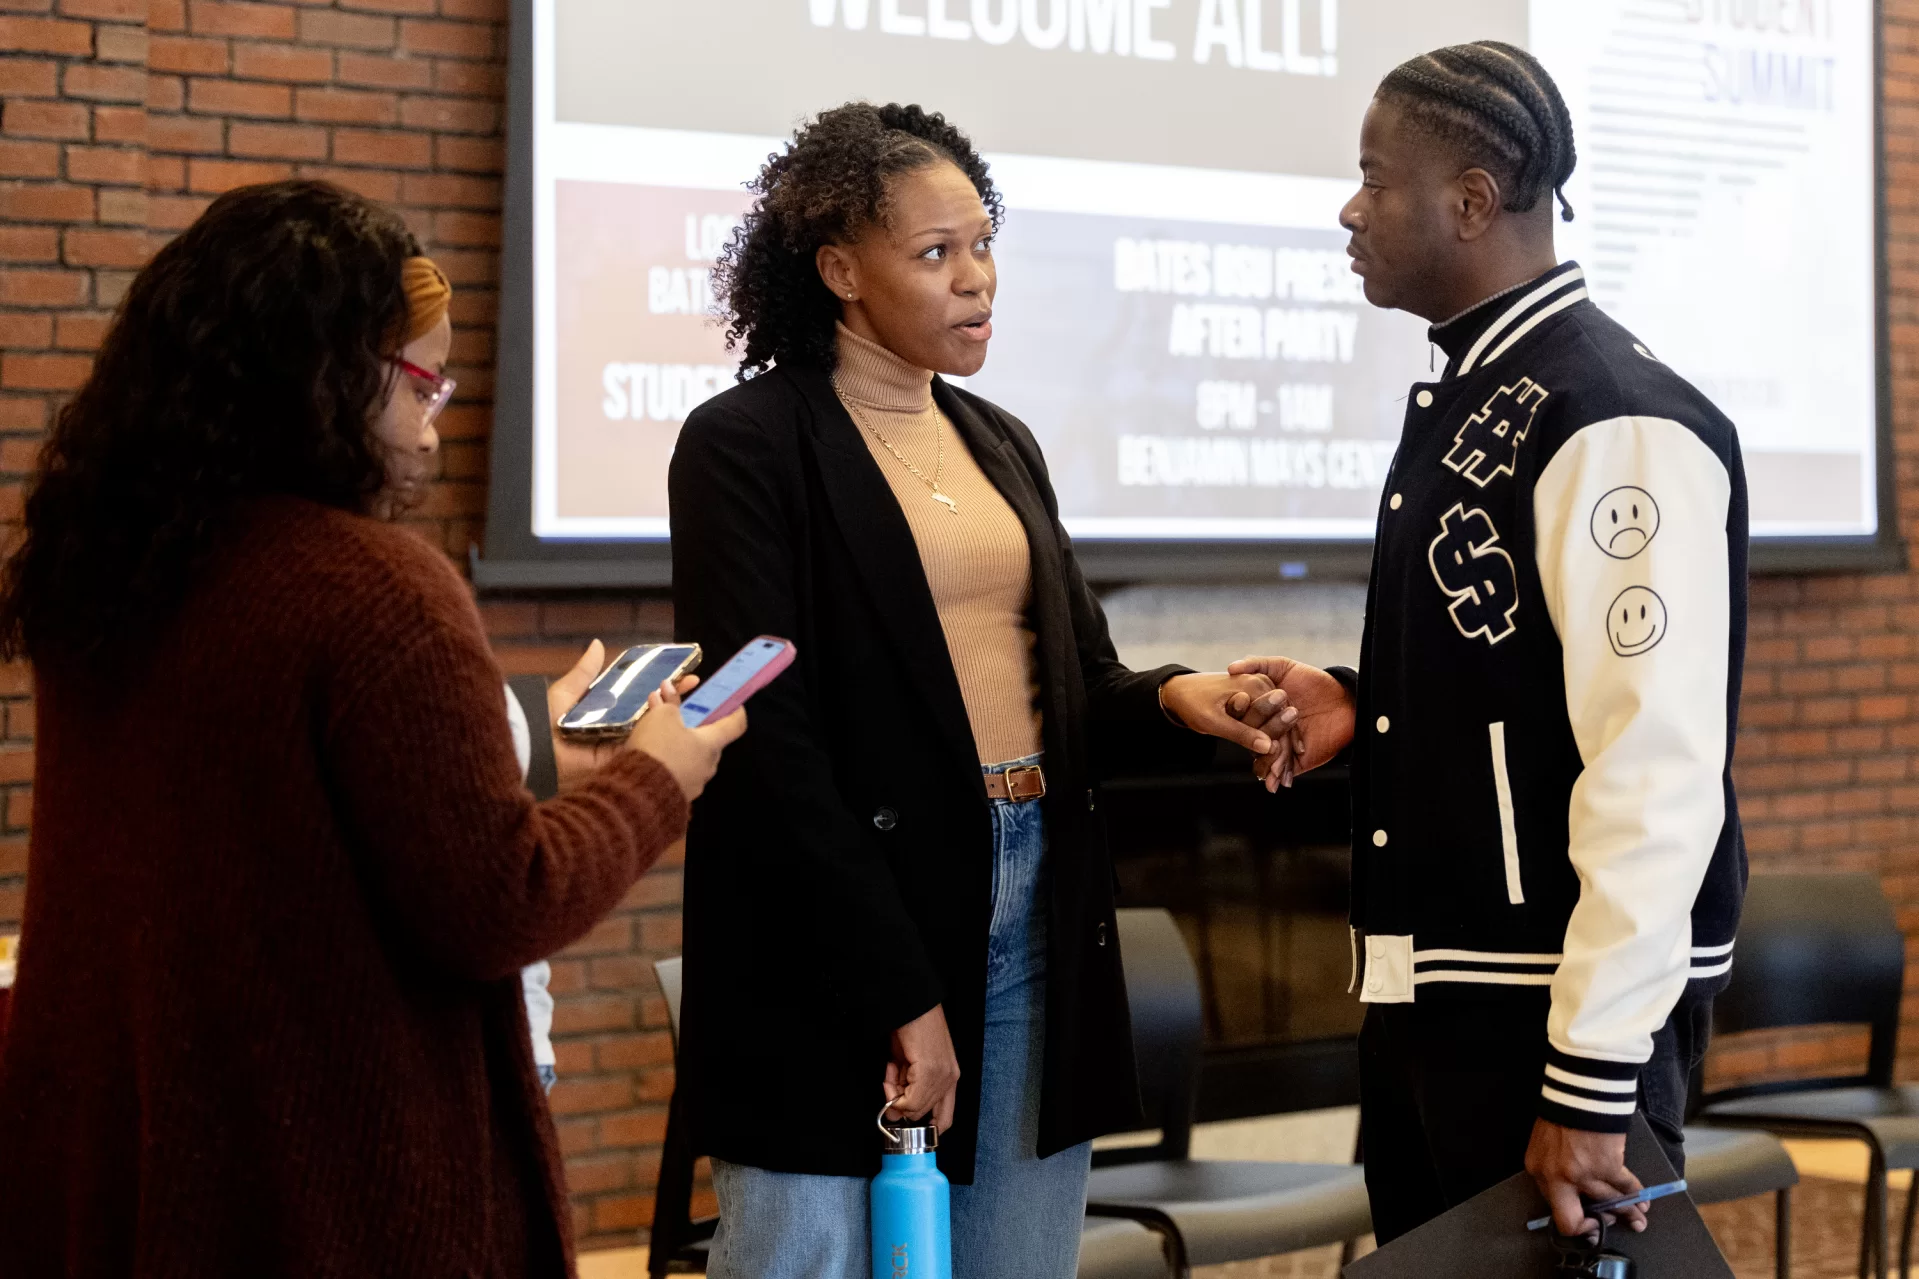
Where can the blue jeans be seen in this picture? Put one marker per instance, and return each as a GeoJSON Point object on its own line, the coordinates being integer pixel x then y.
{"type": "Point", "coordinates": [1021, 1216]}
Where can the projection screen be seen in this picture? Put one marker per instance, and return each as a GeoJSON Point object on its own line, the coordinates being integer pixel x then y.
{"type": "Point", "coordinates": [1175, 318]}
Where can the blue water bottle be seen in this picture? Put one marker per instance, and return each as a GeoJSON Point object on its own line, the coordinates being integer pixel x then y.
{"type": "Point", "coordinates": [912, 1206]}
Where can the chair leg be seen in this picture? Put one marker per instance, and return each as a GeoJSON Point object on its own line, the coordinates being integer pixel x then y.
{"type": "Point", "coordinates": [1782, 1234]}
{"type": "Point", "coordinates": [1878, 1228]}
{"type": "Point", "coordinates": [1905, 1229]}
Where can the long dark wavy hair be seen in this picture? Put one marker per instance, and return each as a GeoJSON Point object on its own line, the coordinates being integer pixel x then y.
{"type": "Point", "coordinates": [828, 186]}
{"type": "Point", "coordinates": [249, 357]}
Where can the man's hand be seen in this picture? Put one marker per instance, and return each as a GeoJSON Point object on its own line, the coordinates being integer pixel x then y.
{"type": "Point", "coordinates": [1324, 723]}
{"type": "Point", "coordinates": [1220, 705]}
{"type": "Point", "coordinates": [924, 1073]}
{"type": "Point", "coordinates": [1568, 1163]}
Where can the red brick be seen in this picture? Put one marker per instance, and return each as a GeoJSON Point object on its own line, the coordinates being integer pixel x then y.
{"type": "Point", "coordinates": [82, 332]}
{"type": "Point", "coordinates": [373, 71]}
{"type": "Point", "coordinates": [467, 229]}
{"type": "Point", "coordinates": [277, 141]}
{"type": "Point", "coordinates": [389, 149]}
{"type": "Point", "coordinates": [215, 176]}
{"type": "Point", "coordinates": [106, 10]}
{"type": "Point", "coordinates": [352, 30]}
{"type": "Point", "coordinates": [175, 212]}
{"type": "Point", "coordinates": [24, 372]}
{"type": "Point", "coordinates": [24, 118]}
{"type": "Point", "coordinates": [120, 44]}
{"type": "Point", "coordinates": [187, 55]}
{"type": "Point", "coordinates": [96, 83]}
{"type": "Point", "coordinates": [35, 77]}
{"type": "Point", "coordinates": [25, 330]}
{"type": "Point", "coordinates": [21, 413]}
{"type": "Point", "coordinates": [166, 173]}
{"type": "Point", "coordinates": [374, 184]}
{"type": "Point", "coordinates": [228, 97]}
{"type": "Point", "coordinates": [126, 166]}
{"type": "Point", "coordinates": [622, 1212]}
{"type": "Point", "coordinates": [481, 10]}
{"type": "Point", "coordinates": [120, 124]}
{"type": "Point", "coordinates": [166, 93]}
{"type": "Point", "coordinates": [29, 244]}
{"type": "Point", "coordinates": [237, 18]}
{"type": "Point", "coordinates": [450, 115]}
{"type": "Point", "coordinates": [46, 35]}
{"type": "Point", "coordinates": [455, 191]}
{"type": "Point", "coordinates": [470, 79]}
{"type": "Point", "coordinates": [42, 288]}
{"type": "Point", "coordinates": [635, 1128]}
{"type": "Point", "coordinates": [29, 159]}
{"type": "Point", "coordinates": [347, 106]}
{"type": "Point", "coordinates": [287, 62]}
{"type": "Point", "coordinates": [45, 202]}
{"type": "Point", "coordinates": [469, 155]}
{"type": "Point", "coordinates": [187, 133]}
{"type": "Point", "coordinates": [448, 39]}
{"type": "Point", "coordinates": [107, 248]}
{"type": "Point", "coordinates": [166, 15]}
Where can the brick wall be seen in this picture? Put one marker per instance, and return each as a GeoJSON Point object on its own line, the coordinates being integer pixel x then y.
{"type": "Point", "coordinates": [120, 119]}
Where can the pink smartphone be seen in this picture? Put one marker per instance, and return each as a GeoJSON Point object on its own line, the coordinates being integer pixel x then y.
{"type": "Point", "coordinates": [745, 673]}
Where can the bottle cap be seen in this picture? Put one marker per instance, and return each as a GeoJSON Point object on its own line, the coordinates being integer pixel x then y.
{"type": "Point", "coordinates": [907, 1139]}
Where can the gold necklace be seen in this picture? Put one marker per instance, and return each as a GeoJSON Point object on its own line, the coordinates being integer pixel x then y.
{"type": "Point", "coordinates": [939, 442]}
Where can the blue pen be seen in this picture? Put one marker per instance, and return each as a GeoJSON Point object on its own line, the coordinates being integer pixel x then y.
{"type": "Point", "coordinates": [1611, 1205]}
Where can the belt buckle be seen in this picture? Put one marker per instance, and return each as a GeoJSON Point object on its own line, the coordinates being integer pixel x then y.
{"type": "Point", "coordinates": [1024, 771]}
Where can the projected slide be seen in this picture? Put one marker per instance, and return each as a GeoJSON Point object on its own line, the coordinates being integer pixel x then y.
{"type": "Point", "coordinates": [1175, 318]}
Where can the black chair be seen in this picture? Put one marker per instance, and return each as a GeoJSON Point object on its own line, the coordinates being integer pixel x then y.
{"type": "Point", "coordinates": [1108, 1249]}
{"type": "Point", "coordinates": [1210, 1211]}
{"type": "Point", "coordinates": [1816, 949]}
{"type": "Point", "coordinates": [1723, 1164]}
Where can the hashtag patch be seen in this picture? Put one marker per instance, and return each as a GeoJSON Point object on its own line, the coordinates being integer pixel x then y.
{"type": "Point", "coordinates": [1487, 446]}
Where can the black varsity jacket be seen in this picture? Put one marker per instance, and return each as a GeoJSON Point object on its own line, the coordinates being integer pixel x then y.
{"type": "Point", "coordinates": [1549, 683]}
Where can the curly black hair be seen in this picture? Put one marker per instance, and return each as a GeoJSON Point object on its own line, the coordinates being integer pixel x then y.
{"type": "Point", "coordinates": [249, 357]}
{"type": "Point", "coordinates": [830, 184]}
{"type": "Point", "coordinates": [1499, 108]}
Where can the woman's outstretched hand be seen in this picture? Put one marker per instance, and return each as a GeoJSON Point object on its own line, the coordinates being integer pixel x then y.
{"type": "Point", "coordinates": [1246, 708]}
{"type": "Point", "coordinates": [1322, 724]}
{"type": "Point", "coordinates": [690, 754]}
{"type": "Point", "coordinates": [924, 1073]}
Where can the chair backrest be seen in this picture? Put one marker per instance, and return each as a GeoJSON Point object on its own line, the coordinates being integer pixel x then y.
{"type": "Point", "coordinates": [1162, 989]}
{"type": "Point", "coordinates": [1815, 949]}
{"type": "Point", "coordinates": [667, 972]}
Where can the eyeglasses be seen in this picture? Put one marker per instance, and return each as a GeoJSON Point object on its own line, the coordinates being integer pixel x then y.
{"type": "Point", "coordinates": [441, 387]}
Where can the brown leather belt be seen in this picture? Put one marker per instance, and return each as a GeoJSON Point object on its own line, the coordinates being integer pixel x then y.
{"type": "Point", "coordinates": [1021, 784]}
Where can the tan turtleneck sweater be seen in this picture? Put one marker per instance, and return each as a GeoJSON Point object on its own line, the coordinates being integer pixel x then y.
{"type": "Point", "coordinates": [977, 562]}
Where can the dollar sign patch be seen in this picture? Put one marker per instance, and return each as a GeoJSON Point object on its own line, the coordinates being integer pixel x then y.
{"type": "Point", "coordinates": [1470, 566]}
{"type": "Point", "coordinates": [1487, 446]}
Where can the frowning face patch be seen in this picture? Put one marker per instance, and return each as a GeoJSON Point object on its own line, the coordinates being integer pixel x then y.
{"type": "Point", "coordinates": [1625, 521]}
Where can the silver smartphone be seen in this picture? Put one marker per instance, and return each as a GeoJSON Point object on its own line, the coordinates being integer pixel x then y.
{"type": "Point", "coordinates": [617, 699]}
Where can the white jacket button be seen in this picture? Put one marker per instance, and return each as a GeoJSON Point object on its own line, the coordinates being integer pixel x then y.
{"type": "Point", "coordinates": [1382, 723]}
{"type": "Point", "coordinates": [1396, 502]}
{"type": "Point", "coordinates": [1425, 399]}
{"type": "Point", "coordinates": [1379, 839]}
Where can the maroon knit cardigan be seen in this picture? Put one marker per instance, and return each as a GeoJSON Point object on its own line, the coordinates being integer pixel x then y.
{"type": "Point", "coordinates": [283, 876]}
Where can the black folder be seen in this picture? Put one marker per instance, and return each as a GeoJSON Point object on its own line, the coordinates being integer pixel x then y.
{"type": "Point", "coordinates": [1486, 1237]}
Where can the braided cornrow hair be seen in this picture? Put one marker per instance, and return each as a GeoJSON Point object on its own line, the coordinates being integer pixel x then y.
{"type": "Point", "coordinates": [1497, 104]}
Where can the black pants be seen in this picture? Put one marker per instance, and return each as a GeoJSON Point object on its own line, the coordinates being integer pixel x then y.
{"type": "Point", "coordinates": [1449, 1090]}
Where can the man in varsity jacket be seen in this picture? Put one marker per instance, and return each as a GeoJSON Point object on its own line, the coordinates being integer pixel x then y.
{"type": "Point", "coordinates": [1547, 866]}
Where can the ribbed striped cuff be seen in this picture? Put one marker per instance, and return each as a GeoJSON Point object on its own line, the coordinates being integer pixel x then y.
{"type": "Point", "coordinates": [1589, 1094]}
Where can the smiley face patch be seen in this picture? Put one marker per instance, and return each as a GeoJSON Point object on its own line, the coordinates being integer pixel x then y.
{"type": "Point", "coordinates": [1625, 521]}
{"type": "Point", "coordinates": [1636, 621]}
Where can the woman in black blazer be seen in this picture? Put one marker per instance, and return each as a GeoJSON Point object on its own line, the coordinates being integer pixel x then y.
{"type": "Point", "coordinates": [877, 896]}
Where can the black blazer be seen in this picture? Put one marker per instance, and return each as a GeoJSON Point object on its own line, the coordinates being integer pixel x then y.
{"type": "Point", "coordinates": [839, 866]}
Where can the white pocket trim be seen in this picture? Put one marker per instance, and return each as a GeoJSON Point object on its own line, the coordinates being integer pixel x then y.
{"type": "Point", "coordinates": [1508, 836]}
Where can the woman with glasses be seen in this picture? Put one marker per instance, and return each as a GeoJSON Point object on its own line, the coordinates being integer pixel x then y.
{"type": "Point", "coordinates": [283, 873]}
